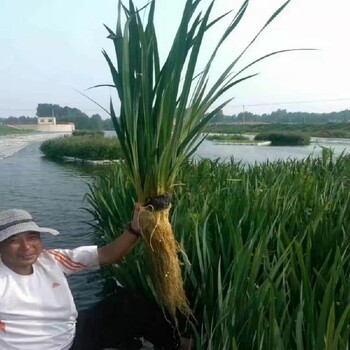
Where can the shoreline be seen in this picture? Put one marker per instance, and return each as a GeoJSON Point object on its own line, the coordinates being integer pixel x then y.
{"type": "Point", "coordinates": [11, 144]}
{"type": "Point", "coordinates": [68, 159]}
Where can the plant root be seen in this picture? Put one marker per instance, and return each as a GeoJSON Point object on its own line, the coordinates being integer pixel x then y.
{"type": "Point", "coordinates": [162, 250]}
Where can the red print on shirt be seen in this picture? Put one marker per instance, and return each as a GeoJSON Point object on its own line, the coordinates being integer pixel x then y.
{"type": "Point", "coordinates": [55, 285]}
{"type": "Point", "coordinates": [2, 326]}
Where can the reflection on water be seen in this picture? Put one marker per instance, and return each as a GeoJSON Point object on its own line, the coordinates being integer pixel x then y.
{"type": "Point", "coordinates": [85, 170]}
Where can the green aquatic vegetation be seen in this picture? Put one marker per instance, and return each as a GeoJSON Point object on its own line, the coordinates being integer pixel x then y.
{"type": "Point", "coordinates": [315, 130]}
{"type": "Point", "coordinates": [284, 138]}
{"type": "Point", "coordinates": [89, 147]}
{"type": "Point", "coordinates": [234, 138]}
{"type": "Point", "coordinates": [87, 132]}
{"type": "Point", "coordinates": [267, 246]}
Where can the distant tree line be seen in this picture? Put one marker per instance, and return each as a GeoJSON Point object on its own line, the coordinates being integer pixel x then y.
{"type": "Point", "coordinates": [95, 122]}
{"type": "Point", "coordinates": [18, 120]}
{"type": "Point", "coordinates": [282, 116]}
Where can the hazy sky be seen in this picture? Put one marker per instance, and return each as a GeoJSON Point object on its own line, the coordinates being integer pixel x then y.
{"type": "Point", "coordinates": [50, 48]}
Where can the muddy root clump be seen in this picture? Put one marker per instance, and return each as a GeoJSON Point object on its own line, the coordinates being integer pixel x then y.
{"type": "Point", "coordinates": [162, 250]}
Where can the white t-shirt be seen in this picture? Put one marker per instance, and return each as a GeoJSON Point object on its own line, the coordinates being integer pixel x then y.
{"type": "Point", "coordinates": [37, 312]}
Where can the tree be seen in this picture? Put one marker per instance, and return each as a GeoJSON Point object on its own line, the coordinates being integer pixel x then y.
{"type": "Point", "coordinates": [96, 122]}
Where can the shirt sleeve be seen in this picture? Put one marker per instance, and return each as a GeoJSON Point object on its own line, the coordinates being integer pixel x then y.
{"type": "Point", "coordinates": [74, 260]}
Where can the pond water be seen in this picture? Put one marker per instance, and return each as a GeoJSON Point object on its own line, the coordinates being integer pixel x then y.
{"type": "Point", "coordinates": [252, 154]}
{"type": "Point", "coordinates": [54, 192]}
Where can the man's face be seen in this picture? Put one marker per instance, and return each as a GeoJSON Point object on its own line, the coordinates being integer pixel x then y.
{"type": "Point", "coordinates": [19, 252]}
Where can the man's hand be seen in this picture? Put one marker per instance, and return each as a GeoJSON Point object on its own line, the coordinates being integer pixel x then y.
{"type": "Point", "coordinates": [134, 224]}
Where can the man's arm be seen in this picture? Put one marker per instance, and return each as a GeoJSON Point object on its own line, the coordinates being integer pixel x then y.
{"type": "Point", "coordinates": [113, 252]}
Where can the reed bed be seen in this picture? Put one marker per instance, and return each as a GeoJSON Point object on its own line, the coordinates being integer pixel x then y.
{"type": "Point", "coordinates": [267, 250]}
{"type": "Point", "coordinates": [284, 138]}
{"type": "Point", "coordinates": [87, 147]}
{"type": "Point", "coordinates": [228, 138]}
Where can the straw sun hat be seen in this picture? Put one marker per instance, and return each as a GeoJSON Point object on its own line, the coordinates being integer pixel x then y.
{"type": "Point", "coordinates": [16, 221]}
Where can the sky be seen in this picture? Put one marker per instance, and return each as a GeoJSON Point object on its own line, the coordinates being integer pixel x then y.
{"type": "Point", "coordinates": [51, 49]}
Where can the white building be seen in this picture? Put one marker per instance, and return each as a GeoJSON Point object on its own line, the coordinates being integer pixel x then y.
{"type": "Point", "coordinates": [48, 124]}
{"type": "Point", "coordinates": [47, 121]}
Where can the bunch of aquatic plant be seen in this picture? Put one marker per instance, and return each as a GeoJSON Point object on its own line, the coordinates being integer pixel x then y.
{"type": "Point", "coordinates": [83, 147]}
{"type": "Point", "coordinates": [231, 138]}
{"type": "Point", "coordinates": [268, 245]}
{"type": "Point", "coordinates": [163, 110]}
{"type": "Point", "coordinates": [85, 132]}
{"type": "Point", "coordinates": [284, 138]}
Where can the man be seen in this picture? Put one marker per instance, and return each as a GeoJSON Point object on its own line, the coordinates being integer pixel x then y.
{"type": "Point", "coordinates": [37, 310]}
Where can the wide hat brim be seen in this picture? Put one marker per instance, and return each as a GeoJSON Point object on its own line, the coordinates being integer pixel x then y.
{"type": "Point", "coordinates": [25, 227]}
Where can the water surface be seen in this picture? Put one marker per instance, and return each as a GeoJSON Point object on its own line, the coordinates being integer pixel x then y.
{"type": "Point", "coordinates": [251, 154]}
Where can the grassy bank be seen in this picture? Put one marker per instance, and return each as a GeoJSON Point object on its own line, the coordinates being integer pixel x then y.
{"type": "Point", "coordinates": [88, 147]}
{"type": "Point", "coordinates": [8, 130]}
{"type": "Point", "coordinates": [336, 130]}
{"type": "Point", "coordinates": [268, 247]}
